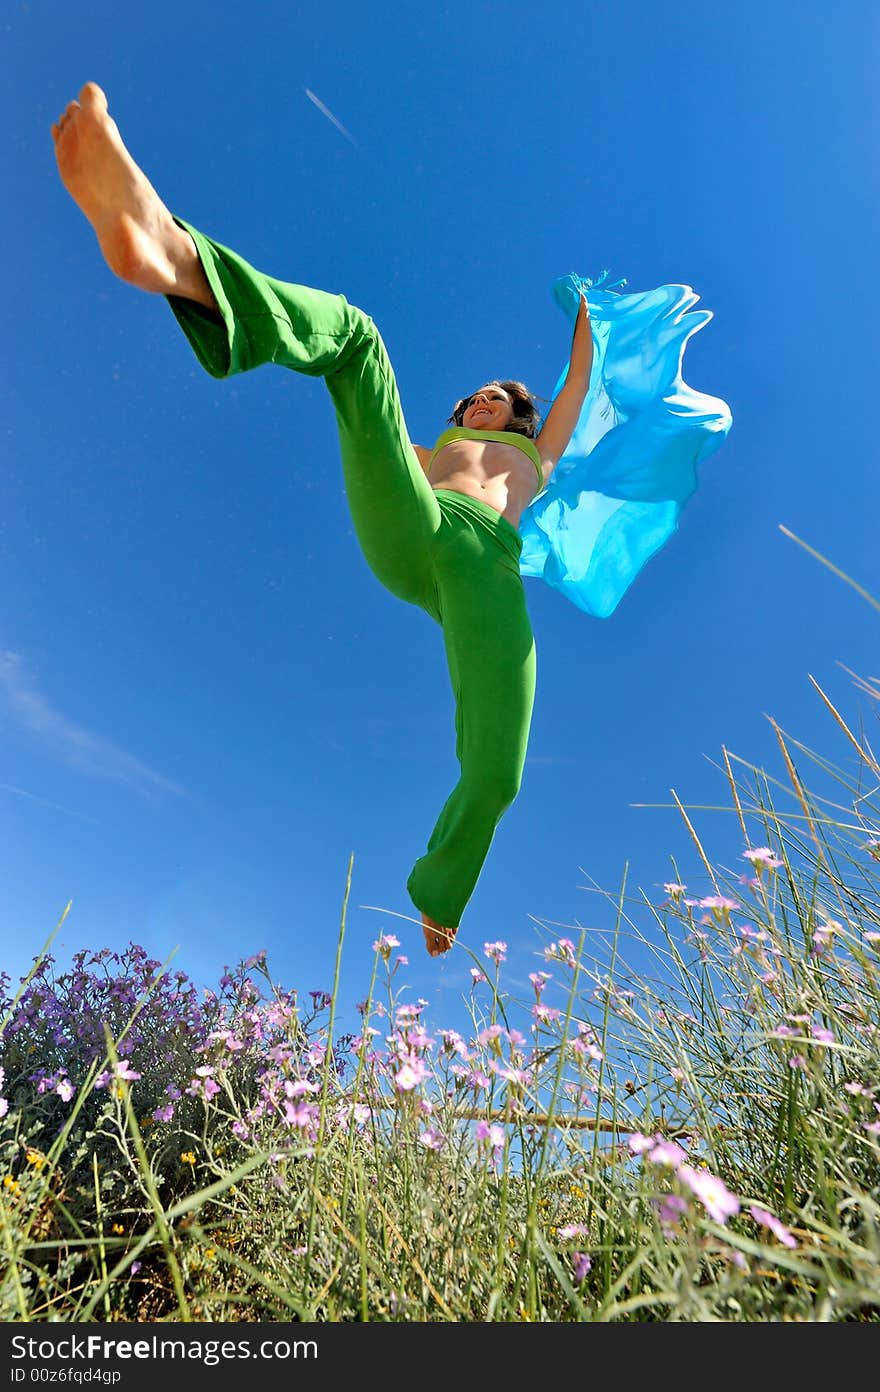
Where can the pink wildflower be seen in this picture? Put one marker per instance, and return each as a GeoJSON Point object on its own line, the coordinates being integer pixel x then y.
{"type": "Point", "coordinates": [762, 858]}
{"type": "Point", "coordinates": [431, 1139]}
{"type": "Point", "coordinates": [299, 1114]}
{"type": "Point", "coordinates": [712, 1192]}
{"type": "Point", "coordinates": [675, 891]}
{"type": "Point", "coordinates": [721, 907]}
{"type": "Point", "coordinates": [64, 1089]}
{"type": "Point", "coordinates": [164, 1113]}
{"type": "Point", "coordinates": [517, 1077]}
{"type": "Point", "coordinates": [410, 1075]}
{"type": "Point", "coordinates": [491, 1132]}
{"type": "Point", "coordinates": [384, 944]}
{"type": "Point", "coordinates": [766, 1220]}
{"type": "Point", "coordinates": [453, 1043]}
{"type": "Point", "coordinates": [667, 1153]}
{"type": "Point", "coordinates": [545, 1012]}
{"type": "Point", "coordinates": [496, 952]}
{"type": "Point", "coordinates": [561, 951]}
{"type": "Point", "coordinates": [581, 1263]}
{"type": "Point", "coordinates": [477, 1079]}
{"type": "Point", "coordinates": [572, 1230]}
{"type": "Point", "coordinates": [638, 1143]}
{"type": "Point", "coordinates": [298, 1086]}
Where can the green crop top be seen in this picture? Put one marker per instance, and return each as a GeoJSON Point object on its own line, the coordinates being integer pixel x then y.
{"type": "Point", "coordinates": [502, 437]}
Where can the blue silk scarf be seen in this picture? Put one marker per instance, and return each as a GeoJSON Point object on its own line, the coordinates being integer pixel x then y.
{"type": "Point", "coordinates": [616, 494]}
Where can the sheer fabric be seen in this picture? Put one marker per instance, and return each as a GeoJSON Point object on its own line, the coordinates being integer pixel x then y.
{"type": "Point", "coordinates": [615, 496]}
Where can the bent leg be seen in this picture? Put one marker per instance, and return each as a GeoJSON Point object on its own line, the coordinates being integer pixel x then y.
{"type": "Point", "coordinates": [264, 320]}
{"type": "Point", "coordinates": [491, 655]}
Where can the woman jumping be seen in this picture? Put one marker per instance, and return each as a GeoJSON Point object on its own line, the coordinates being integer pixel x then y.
{"type": "Point", "coordinates": [438, 527]}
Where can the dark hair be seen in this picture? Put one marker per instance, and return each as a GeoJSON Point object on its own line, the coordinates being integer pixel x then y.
{"type": "Point", "coordinates": [526, 417]}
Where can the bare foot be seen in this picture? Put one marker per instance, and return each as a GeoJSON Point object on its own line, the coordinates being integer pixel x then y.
{"type": "Point", "coordinates": [140, 240]}
{"type": "Point", "coordinates": [437, 939]}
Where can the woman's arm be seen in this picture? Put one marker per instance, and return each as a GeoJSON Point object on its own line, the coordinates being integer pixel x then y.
{"type": "Point", "coordinates": [424, 457]}
{"type": "Point", "coordinates": [562, 417]}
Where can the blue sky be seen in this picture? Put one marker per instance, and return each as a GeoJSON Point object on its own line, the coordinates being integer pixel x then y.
{"type": "Point", "coordinates": [207, 703]}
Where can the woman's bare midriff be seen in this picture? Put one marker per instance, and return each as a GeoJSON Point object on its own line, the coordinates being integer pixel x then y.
{"type": "Point", "coordinates": [493, 473]}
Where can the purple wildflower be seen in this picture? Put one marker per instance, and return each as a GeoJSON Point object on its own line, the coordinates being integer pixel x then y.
{"type": "Point", "coordinates": [670, 1209]}
{"type": "Point", "coordinates": [493, 1133]}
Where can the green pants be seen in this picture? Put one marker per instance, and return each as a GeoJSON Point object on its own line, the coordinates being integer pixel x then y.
{"type": "Point", "coordinates": [455, 557]}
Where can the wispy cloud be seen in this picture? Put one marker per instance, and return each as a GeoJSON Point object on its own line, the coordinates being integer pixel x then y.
{"type": "Point", "coordinates": [325, 111]}
{"type": "Point", "coordinates": [44, 802]}
{"type": "Point", "coordinates": [78, 748]}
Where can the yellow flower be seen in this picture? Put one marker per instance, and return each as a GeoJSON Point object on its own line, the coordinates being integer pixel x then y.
{"type": "Point", "coordinates": [187, 1157]}
{"type": "Point", "coordinates": [35, 1157]}
{"type": "Point", "coordinates": [12, 1185]}
{"type": "Point", "coordinates": [210, 1253]}
{"type": "Point", "coordinates": [118, 1228]}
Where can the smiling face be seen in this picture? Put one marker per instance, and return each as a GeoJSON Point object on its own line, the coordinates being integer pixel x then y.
{"type": "Point", "coordinates": [490, 408]}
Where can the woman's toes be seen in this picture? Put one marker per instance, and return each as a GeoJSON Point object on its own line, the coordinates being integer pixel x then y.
{"type": "Point", "coordinates": [92, 95]}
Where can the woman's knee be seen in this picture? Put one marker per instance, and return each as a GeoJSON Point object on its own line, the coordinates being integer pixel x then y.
{"type": "Point", "coordinates": [494, 789]}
